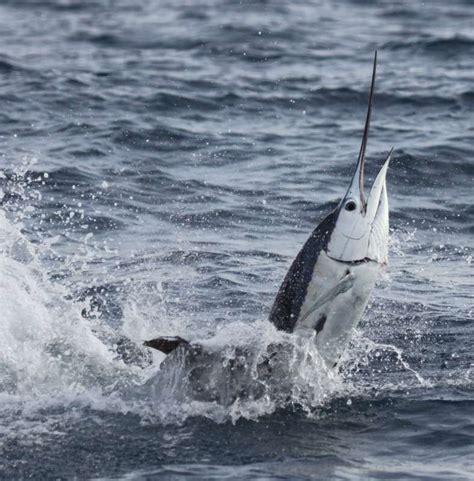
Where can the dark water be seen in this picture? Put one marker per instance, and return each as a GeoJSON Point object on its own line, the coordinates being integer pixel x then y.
{"type": "Point", "coordinates": [162, 163]}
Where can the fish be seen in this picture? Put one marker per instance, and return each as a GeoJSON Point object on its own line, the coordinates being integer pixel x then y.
{"type": "Point", "coordinates": [327, 287]}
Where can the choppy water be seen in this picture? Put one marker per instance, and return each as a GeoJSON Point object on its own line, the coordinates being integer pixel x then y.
{"type": "Point", "coordinates": [162, 163]}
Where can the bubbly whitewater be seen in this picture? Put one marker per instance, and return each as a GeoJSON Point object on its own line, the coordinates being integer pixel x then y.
{"type": "Point", "coordinates": [162, 164]}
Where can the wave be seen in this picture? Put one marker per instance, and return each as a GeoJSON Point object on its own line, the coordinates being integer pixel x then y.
{"type": "Point", "coordinates": [128, 40]}
{"type": "Point", "coordinates": [7, 66]}
{"type": "Point", "coordinates": [448, 46]}
{"type": "Point", "coordinates": [57, 5]}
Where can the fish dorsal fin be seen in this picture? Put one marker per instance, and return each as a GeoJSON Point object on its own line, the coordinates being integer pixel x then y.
{"type": "Point", "coordinates": [165, 344]}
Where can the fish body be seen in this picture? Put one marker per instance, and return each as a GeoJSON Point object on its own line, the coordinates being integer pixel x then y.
{"type": "Point", "coordinates": [328, 285]}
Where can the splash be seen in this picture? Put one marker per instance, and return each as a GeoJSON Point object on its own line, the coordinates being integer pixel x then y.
{"type": "Point", "coordinates": [52, 354]}
{"type": "Point", "coordinates": [48, 349]}
{"type": "Point", "coordinates": [59, 349]}
{"type": "Point", "coordinates": [244, 371]}
{"type": "Point", "coordinates": [46, 346]}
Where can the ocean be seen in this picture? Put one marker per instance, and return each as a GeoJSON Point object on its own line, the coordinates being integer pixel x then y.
{"type": "Point", "coordinates": [162, 163]}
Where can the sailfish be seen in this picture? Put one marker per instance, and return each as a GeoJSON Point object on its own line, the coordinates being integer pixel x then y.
{"type": "Point", "coordinates": [328, 285]}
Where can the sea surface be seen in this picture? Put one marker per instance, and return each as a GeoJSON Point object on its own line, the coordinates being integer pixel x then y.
{"type": "Point", "coordinates": [161, 164]}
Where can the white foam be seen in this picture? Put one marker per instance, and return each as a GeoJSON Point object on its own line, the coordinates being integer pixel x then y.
{"type": "Point", "coordinates": [51, 355]}
{"type": "Point", "coordinates": [46, 346]}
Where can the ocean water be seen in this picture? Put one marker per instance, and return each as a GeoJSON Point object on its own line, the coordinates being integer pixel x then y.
{"type": "Point", "coordinates": [162, 162]}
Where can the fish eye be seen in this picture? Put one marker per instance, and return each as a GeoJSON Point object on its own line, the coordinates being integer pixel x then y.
{"type": "Point", "coordinates": [350, 205]}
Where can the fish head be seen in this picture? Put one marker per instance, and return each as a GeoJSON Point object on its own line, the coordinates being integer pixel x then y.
{"type": "Point", "coordinates": [361, 226]}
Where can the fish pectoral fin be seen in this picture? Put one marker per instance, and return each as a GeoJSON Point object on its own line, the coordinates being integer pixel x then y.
{"type": "Point", "coordinates": [165, 344]}
{"type": "Point", "coordinates": [343, 285]}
